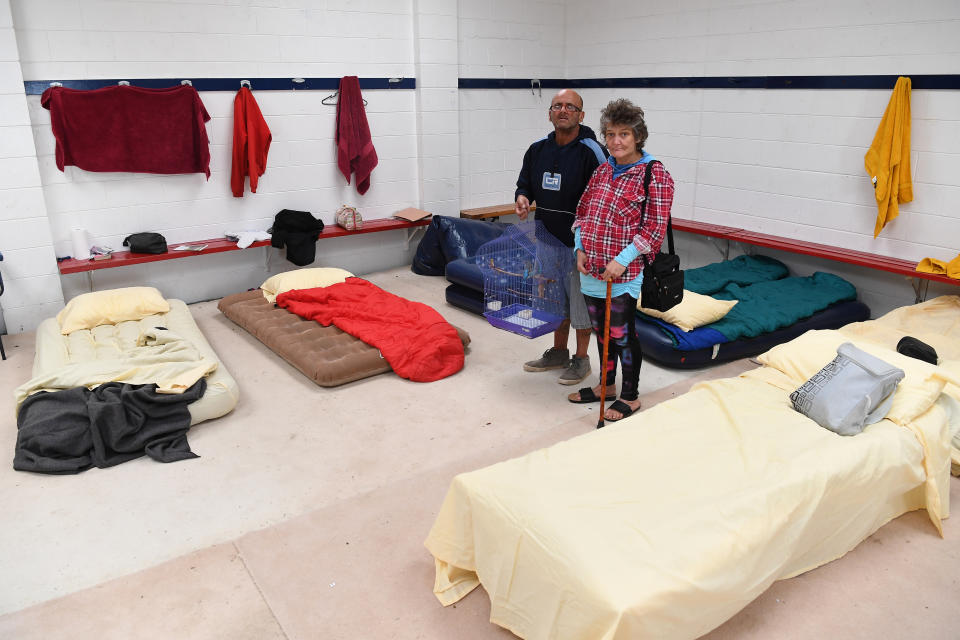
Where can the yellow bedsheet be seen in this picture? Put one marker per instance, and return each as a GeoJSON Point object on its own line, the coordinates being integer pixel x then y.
{"type": "Point", "coordinates": [136, 353]}
{"type": "Point", "coordinates": [936, 322]}
{"type": "Point", "coordinates": [666, 524]}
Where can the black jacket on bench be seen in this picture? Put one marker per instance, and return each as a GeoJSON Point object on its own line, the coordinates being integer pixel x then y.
{"type": "Point", "coordinates": [297, 230]}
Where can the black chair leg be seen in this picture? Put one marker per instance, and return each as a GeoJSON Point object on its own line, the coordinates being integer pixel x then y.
{"type": "Point", "coordinates": [3, 354]}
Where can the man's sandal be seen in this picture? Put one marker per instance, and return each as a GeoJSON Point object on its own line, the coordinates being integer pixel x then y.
{"type": "Point", "coordinates": [587, 396]}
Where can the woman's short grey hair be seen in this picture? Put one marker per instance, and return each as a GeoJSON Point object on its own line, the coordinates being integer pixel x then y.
{"type": "Point", "coordinates": [622, 112]}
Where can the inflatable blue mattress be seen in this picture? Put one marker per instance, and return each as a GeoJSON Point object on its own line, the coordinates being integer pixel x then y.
{"type": "Point", "coordinates": [771, 308]}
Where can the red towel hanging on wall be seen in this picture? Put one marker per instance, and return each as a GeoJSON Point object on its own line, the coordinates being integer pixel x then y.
{"type": "Point", "coordinates": [126, 128]}
{"type": "Point", "coordinates": [355, 152]}
{"type": "Point", "coordinates": [251, 142]}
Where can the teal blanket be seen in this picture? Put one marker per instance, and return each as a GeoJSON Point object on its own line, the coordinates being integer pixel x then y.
{"type": "Point", "coordinates": [767, 300]}
{"type": "Point", "coordinates": [768, 306]}
{"type": "Point", "coordinates": [742, 270]}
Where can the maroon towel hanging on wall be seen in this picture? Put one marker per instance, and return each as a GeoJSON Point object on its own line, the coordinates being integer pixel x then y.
{"type": "Point", "coordinates": [355, 152]}
{"type": "Point", "coordinates": [126, 128]}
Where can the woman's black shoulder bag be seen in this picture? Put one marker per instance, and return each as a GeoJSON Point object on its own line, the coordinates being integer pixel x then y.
{"type": "Point", "coordinates": [662, 287]}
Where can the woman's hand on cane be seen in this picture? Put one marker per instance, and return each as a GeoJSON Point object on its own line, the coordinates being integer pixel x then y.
{"type": "Point", "coordinates": [612, 271]}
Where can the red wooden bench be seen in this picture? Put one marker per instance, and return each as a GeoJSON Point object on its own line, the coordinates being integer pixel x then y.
{"type": "Point", "coordinates": [219, 245]}
{"type": "Point", "coordinates": [732, 234]}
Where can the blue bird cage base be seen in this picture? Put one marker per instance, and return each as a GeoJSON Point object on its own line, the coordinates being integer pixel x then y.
{"type": "Point", "coordinates": [522, 320]}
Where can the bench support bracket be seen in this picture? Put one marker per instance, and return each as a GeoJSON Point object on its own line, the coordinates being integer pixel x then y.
{"type": "Point", "coordinates": [411, 233]}
{"type": "Point", "coordinates": [920, 288]}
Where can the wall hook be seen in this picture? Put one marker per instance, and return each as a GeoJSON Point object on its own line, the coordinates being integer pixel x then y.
{"type": "Point", "coordinates": [297, 81]}
{"type": "Point", "coordinates": [56, 84]}
{"type": "Point", "coordinates": [536, 83]}
{"type": "Point", "coordinates": [186, 82]}
{"type": "Point", "coordinates": [245, 83]}
{"type": "Point", "coordinates": [124, 83]}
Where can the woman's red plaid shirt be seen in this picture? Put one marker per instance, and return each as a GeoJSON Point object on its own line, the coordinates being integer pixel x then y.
{"type": "Point", "coordinates": [609, 217]}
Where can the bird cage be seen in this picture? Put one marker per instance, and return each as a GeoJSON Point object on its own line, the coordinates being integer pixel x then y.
{"type": "Point", "coordinates": [525, 275]}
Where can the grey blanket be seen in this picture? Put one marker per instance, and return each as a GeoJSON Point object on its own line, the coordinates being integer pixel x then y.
{"type": "Point", "coordinates": [72, 430]}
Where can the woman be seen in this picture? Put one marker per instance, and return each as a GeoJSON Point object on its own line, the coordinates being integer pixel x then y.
{"type": "Point", "coordinates": [615, 239]}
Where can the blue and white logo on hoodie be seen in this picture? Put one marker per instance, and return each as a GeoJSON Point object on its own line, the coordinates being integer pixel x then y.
{"type": "Point", "coordinates": [551, 181]}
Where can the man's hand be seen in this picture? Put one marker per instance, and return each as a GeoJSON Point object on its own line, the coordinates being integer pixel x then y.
{"type": "Point", "coordinates": [582, 262]}
{"type": "Point", "coordinates": [612, 271]}
{"type": "Point", "coordinates": [523, 207]}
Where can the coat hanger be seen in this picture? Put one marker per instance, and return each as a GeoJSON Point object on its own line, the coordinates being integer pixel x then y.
{"type": "Point", "coordinates": [333, 96]}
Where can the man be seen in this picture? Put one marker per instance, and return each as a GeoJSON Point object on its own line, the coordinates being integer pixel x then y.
{"type": "Point", "coordinates": [554, 174]}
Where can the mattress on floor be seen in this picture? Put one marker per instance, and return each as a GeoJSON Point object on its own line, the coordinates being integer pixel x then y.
{"type": "Point", "coordinates": [667, 523]}
{"type": "Point", "coordinates": [326, 355]}
{"type": "Point", "coordinates": [771, 308]}
{"type": "Point", "coordinates": [659, 347]}
{"type": "Point", "coordinates": [108, 342]}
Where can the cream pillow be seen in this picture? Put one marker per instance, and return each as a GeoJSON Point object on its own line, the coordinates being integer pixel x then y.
{"type": "Point", "coordinates": [804, 356]}
{"type": "Point", "coordinates": [695, 310]}
{"type": "Point", "coordinates": [302, 279]}
{"type": "Point", "coordinates": [113, 306]}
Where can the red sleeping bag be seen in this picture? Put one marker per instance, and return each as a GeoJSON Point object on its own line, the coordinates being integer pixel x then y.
{"type": "Point", "coordinates": [417, 342]}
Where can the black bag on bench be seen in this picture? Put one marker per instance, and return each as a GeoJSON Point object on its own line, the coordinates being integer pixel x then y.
{"type": "Point", "coordinates": [662, 287]}
{"type": "Point", "coordinates": [146, 242]}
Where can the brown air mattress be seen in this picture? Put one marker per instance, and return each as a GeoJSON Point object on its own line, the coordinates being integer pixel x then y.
{"type": "Point", "coordinates": [326, 355]}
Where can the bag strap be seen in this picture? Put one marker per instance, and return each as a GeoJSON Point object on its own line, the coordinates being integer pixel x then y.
{"type": "Point", "coordinates": [647, 175]}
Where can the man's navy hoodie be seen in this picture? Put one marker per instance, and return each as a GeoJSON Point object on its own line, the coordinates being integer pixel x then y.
{"type": "Point", "coordinates": [554, 177]}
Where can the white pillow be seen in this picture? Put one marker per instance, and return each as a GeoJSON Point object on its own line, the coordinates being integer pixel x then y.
{"type": "Point", "coordinates": [302, 279]}
{"type": "Point", "coordinates": [695, 310]}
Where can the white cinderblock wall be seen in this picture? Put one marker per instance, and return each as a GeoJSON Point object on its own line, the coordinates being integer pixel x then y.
{"type": "Point", "coordinates": [29, 268]}
{"type": "Point", "coordinates": [67, 39]}
{"type": "Point", "coordinates": [438, 104]}
{"type": "Point", "coordinates": [505, 40]}
{"type": "Point", "coordinates": [781, 162]}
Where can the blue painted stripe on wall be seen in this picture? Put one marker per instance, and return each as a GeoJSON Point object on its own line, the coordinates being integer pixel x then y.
{"type": "Point", "coordinates": [945, 81]}
{"type": "Point", "coordinates": [36, 87]}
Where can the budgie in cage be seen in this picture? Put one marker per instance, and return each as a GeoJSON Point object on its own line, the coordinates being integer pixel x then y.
{"type": "Point", "coordinates": [523, 279]}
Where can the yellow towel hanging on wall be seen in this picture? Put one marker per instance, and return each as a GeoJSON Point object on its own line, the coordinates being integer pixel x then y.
{"type": "Point", "coordinates": [888, 158]}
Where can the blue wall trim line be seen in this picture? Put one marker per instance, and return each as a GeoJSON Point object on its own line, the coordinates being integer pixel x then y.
{"type": "Point", "coordinates": [37, 87]}
{"type": "Point", "coordinates": [946, 81]}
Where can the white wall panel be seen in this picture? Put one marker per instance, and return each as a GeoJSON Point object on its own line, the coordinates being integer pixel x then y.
{"type": "Point", "coordinates": [778, 161]}
{"type": "Point", "coordinates": [66, 39]}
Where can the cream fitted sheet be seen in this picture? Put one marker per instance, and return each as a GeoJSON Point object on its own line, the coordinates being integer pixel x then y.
{"type": "Point", "coordinates": [666, 524]}
{"type": "Point", "coordinates": [107, 342]}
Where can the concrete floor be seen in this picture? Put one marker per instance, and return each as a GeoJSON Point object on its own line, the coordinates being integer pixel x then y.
{"type": "Point", "coordinates": [306, 513]}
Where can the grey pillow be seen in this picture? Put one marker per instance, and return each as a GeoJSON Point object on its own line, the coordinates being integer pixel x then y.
{"type": "Point", "coordinates": [855, 389]}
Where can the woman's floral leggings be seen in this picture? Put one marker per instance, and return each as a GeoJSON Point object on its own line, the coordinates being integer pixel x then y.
{"type": "Point", "coordinates": [624, 343]}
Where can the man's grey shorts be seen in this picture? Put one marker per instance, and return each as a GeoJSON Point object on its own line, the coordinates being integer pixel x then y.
{"type": "Point", "coordinates": [577, 305]}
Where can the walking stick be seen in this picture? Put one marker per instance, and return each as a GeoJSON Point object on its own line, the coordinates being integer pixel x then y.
{"type": "Point", "coordinates": [606, 350]}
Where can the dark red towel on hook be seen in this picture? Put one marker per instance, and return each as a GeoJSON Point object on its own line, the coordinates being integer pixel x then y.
{"type": "Point", "coordinates": [355, 152]}
{"type": "Point", "coordinates": [251, 142]}
{"type": "Point", "coordinates": [126, 128]}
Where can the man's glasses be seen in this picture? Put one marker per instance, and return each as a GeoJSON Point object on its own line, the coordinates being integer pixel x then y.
{"type": "Point", "coordinates": [565, 107]}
